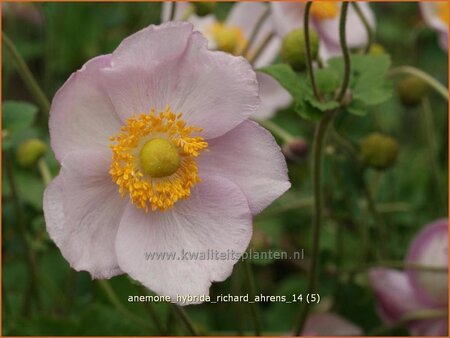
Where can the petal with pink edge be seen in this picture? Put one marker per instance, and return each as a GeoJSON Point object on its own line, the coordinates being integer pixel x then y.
{"type": "Point", "coordinates": [82, 116]}
{"type": "Point", "coordinates": [206, 233]}
{"type": "Point", "coordinates": [394, 293]}
{"type": "Point", "coordinates": [82, 210]}
{"type": "Point", "coordinates": [214, 90]}
{"type": "Point", "coordinates": [430, 248]}
{"type": "Point", "coordinates": [287, 16]}
{"type": "Point", "coordinates": [249, 156]}
{"type": "Point", "coordinates": [329, 324]}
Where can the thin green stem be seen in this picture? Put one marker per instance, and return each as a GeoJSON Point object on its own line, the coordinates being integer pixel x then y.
{"type": "Point", "coordinates": [151, 311]}
{"type": "Point", "coordinates": [256, 30]}
{"type": "Point", "coordinates": [252, 292]}
{"type": "Point", "coordinates": [30, 256]}
{"type": "Point", "coordinates": [27, 76]}
{"type": "Point", "coordinates": [114, 299]}
{"type": "Point", "coordinates": [318, 146]}
{"type": "Point", "coordinates": [186, 320]}
{"type": "Point", "coordinates": [345, 51]}
{"type": "Point", "coordinates": [44, 171]}
{"type": "Point", "coordinates": [430, 132]}
{"type": "Point", "coordinates": [432, 82]}
{"type": "Point", "coordinates": [173, 10]}
{"type": "Point", "coordinates": [309, 63]}
{"type": "Point", "coordinates": [276, 130]}
{"type": "Point", "coordinates": [366, 24]}
{"type": "Point", "coordinates": [260, 48]}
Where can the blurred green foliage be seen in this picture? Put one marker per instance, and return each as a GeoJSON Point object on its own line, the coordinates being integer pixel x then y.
{"type": "Point", "coordinates": [57, 38]}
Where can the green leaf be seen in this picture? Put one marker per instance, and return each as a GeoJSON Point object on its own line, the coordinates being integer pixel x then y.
{"type": "Point", "coordinates": [294, 83]}
{"type": "Point", "coordinates": [327, 80]}
{"type": "Point", "coordinates": [357, 107]}
{"type": "Point", "coordinates": [18, 116]}
{"type": "Point", "coordinates": [306, 110]}
{"type": "Point", "coordinates": [322, 106]}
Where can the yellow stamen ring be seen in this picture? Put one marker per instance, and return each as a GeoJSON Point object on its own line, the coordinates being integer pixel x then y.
{"type": "Point", "coordinates": [153, 159]}
{"type": "Point", "coordinates": [323, 10]}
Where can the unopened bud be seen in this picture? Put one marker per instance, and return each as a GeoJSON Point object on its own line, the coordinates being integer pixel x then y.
{"type": "Point", "coordinates": [203, 8]}
{"type": "Point", "coordinates": [379, 151]}
{"type": "Point", "coordinates": [29, 152]}
{"type": "Point", "coordinates": [293, 49]}
{"type": "Point", "coordinates": [411, 90]}
{"type": "Point", "coordinates": [296, 150]}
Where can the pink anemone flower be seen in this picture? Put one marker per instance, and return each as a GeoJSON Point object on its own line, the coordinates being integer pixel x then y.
{"type": "Point", "coordinates": [233, 36]}
{"type": "Point", "coordinates": [435, 15]}
{"type": "Point", "coordinates": [325, 20]}
{"type": "Point", "coordinates": [400, 294]}
{"type": "Point", "coordinates": [161, 170]}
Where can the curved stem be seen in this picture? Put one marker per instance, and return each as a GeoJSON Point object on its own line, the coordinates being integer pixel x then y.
{"type": "Point", "coordinates": [252, 291]}
{"type": "Point", "coordinates": [186, 320]}
{"type": "Point", "coordinates": [309, 64]}
{"type": "Point", "coordinates": [173, 9]}
{"type": "Point", "coordinates": [255, 31]}
{"type": "Point", "coordinates": [112, 297]}
{"type": "Point", "coordinates": [345, 51]}
{"type": "Point", "coordinates": [27, 76]}
{"type": "Point", "coordinates": [275, 129]}
{"type": "Point", "coordinates": [366, 24]}
{"type": "Point", "coordinates": [260, 48]}
{"type": "Point", "coordinates": [432, 82]}
{"type": "Point", "coordinates": [318, 146]}
{"type": "Point", "coordinates": [44, 171]}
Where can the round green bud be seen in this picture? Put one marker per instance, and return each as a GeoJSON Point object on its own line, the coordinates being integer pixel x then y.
{"type": "Point", "coordinates": [376, 49]}
{"type": "Point", "coordinates": [379, 151]}
{"type": "Point", "coordinates": [203, 8]}
{"type": "Point", "coordinates": [293, 48]}
{"type": "Point", "coordinates": [30, 151]}
{"type": "Point", "coordinates": [412, 90]}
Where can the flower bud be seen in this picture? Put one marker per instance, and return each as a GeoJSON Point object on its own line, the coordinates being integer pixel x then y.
{"type": "Point", "coordinates": [379, 151]}
{"type": "Point", "coordinates": [30, 151]}
{"type": "Point", "coordinates": [296, 150]}
{"type": "Point", "coordinates": [293, 49]}
{"type": "Point", "coordinates": [411, 90]}
{"type": "Point", "coordinates": [376, 49]}
{"type": "Point", "coordinates": [203, 8]}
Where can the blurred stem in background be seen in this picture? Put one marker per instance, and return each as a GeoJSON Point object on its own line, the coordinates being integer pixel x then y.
{"type": "Point", "coordinates": [32, 292]}
{"type": "Point", "coordinates": [370, 34]}
{"type": "Point", "coordinates": [27, 76]}
{"type": "Point", "coordinates": [181, 312]}
{"type": "Point", "coordinates": [432, 82]}
{"type": "Point", "coordinates": [318, 146]}
{"type": "Point", "coordinates": [430, 133]}
{"type": "Point", "coordinates": [250, 279]}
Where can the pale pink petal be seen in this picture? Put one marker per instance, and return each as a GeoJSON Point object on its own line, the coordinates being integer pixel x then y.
{"type": "Point", "coordinates": [82, 116]}
{"type": "Point", "coordinates": [430, 248]}
{"type": "Point", "coordinates": [214, 220]}
{"type": "Point", "coordinates": [355, 31]}
{"type": "Point", "coordinates": [287, 16]}
{"type": "Point", "coordinates": [82, 210]}
{"type": "Point", "coordinates": [430, 15]}
{"type": "Point", "coordinates": [329, 324]}
{"type": "Point", "coordinates": [273, 96]}
{"type": "Point", "coordinates": [394, 293]}
{"type": "Point", "coordinates": [214, 90]}
{"type": "Point", "coordinates": [249, 156]}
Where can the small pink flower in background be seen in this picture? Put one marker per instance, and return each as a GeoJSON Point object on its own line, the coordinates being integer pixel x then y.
{"type": "Point", "coordinates": [329, 324]}
{"type": "Point", "coordinates": [435, 15]}
{"type": "Point", "coordinates": [402, 293]}
{"type": "Point", "coordinates": [158, 156]}
{"type": "Point", "coordinates": [325, 20]}
{"type": "Point", "coordinates": [233, 37]}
